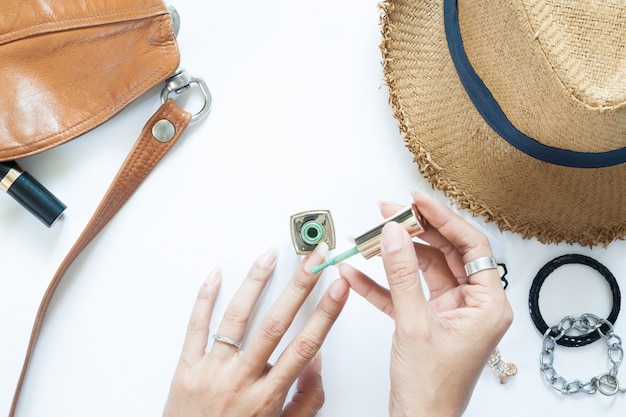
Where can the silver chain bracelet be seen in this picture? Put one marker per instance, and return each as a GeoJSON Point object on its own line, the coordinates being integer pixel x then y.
{"type": "Point", "coordinates": [607, 383]}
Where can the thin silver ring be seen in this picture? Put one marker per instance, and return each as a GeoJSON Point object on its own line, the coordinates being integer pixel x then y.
{"type": "Point", "coordinates": [480, 264]}
{"type": "Point", "coordinates": [227, 340]}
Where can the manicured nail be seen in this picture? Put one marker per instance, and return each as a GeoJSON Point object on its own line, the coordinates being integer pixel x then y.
{"type": "Point", "coordinates": [393, 236]}
{"type": "Point", "coordinates": [268, 258]}
{"type": "Point", "coordinates": [316, 363]}
{"type": "Point", "coordinates": [339, 289]}
{"type": "Point", "coordinates": [316, 257]}
{"type": "Point", "coordinates": [345, 269]}
{"type": "Point", "coordinates": [214, 276]}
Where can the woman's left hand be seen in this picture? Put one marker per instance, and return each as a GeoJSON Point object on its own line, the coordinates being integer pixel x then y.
{"type": "Point", "coordinates": [227, 382]}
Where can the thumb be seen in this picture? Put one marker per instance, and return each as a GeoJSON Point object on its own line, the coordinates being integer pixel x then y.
{"type": "Point", "coordinates": [402, 269]}
{"type": "Point", "coordinates": [309, 396]}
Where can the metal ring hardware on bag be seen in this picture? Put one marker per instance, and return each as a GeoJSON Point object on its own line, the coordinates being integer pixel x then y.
{"type": "Point", "coordinates": [607, 383]}
{"type": "Point", "coordinates": [175, 18]}
{"type": "Point", "coordinates": [181, 82]}
{"type": "Point", "coordinates": [590, 335]}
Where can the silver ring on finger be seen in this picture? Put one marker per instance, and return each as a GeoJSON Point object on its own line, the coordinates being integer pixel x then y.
{"type": "Point", "coordinates": [227, 340]}
{"type": "Point", "coordinates": [480, 264]}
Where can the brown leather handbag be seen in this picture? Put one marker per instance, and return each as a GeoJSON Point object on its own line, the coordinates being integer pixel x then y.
{"type": "Point", "coordinates": [69, 66]}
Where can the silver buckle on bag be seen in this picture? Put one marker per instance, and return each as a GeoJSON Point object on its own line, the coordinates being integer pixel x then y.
{"type": "Point", "coordinates": [180, 83]}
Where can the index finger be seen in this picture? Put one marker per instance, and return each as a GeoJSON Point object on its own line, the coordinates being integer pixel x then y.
{"type": "Point", "coordinates": [455, 237]}
{"type": "Point", "coordinates": [308, 341]}
{"type": "Point", "coordinates": [437, 214]}
{"type": "Point", "coordinates": [468, 241]}
{"type": "Point", "coordinates": [402, 269]}
{"type": "Point", "coordinates": [281, 314]}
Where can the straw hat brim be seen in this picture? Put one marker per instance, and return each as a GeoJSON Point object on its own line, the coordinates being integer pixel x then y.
{"type": "Point", "coordinates": [462, 156]}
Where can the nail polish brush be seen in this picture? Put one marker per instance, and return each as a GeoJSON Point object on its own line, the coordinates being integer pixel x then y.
{"type": "Point", "coordinates": [368, 243]}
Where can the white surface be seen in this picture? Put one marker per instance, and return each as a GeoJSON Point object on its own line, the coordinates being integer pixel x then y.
{"type": "Point", "coordinates": [300, 121]}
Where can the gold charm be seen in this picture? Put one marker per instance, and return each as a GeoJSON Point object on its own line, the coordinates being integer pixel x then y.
{"type": "Point", "coordinates": [501, 369]}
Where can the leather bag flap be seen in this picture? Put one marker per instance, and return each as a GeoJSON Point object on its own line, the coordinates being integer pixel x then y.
{"type": "Point", "coordinates": [70, 65]}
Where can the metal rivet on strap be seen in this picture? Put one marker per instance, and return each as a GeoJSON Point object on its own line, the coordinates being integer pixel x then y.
{"type": "Point", "coordinates": [163, 130]}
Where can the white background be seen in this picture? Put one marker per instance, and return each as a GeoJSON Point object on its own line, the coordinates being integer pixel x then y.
{"type": "Point", "coordinates": [300, 121]}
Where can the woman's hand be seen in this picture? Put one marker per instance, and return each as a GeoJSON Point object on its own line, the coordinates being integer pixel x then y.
{"type": "Point", "coordinates": [227, 382]}
{"type": "Point", "coordinates": [440, 345]}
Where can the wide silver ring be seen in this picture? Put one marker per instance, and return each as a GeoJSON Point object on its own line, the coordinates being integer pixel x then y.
{"type": "Point", "coordinates": [480, 264]}
{"type": "Point", "coordinates": [227, 340]}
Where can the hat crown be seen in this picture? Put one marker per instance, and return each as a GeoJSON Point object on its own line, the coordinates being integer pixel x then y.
{"type": "Point", "coordinates": [556, 68]}
{"type": "Point", "coordinates": [584, 40]}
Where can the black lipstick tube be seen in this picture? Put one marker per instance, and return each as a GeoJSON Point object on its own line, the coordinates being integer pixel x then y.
{"type": "Point", "coordinates": [29, 192]}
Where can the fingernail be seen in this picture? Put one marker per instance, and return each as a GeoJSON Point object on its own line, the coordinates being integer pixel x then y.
{"type": "Point", "coordinates": [414, 191]}
{"type": "Point", "coordinates": [393, 236]}
{"type": "Point", "coordinates": [214, 276]}
{"type": "Point", "coordinates": [316, 363]}
{"type": "Point", "coordinates": [345, 269]}
{"type": "Point", "coordinates": [316, 257]}
{"type": "Point", "coordinates": [268, 258]}
{"type": "Point", "coordinates": [339, 289]}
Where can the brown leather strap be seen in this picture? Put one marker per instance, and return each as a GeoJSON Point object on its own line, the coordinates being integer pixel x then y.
{"type": "Point", "coordinates": [146, 153]}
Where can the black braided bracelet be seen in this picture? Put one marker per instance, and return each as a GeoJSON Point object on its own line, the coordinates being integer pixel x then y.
{"type": "Point", "coordinates": [547, 269]}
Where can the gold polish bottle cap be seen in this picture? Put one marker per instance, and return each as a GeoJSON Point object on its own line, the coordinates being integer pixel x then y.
{"type": "Point", "coordinates": [409, 217]}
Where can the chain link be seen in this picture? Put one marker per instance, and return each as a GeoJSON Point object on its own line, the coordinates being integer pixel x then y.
{"type": "Point", "coordinates": [606, 383]}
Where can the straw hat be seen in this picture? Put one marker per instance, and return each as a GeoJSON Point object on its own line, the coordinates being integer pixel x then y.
{"type": "Point", "coordinates": [525, 121]}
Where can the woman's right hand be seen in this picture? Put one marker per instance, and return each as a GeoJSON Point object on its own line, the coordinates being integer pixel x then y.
{"type": "Point", "coordinates": [440, 345]}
